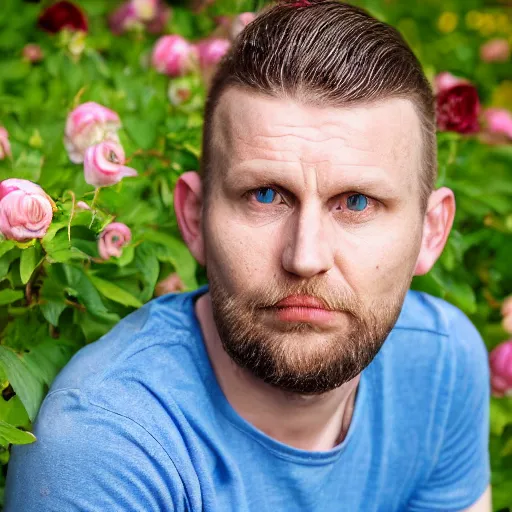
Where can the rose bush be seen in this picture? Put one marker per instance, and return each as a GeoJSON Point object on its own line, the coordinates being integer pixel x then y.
{"type": "Point", "coordinates": [118, 93]}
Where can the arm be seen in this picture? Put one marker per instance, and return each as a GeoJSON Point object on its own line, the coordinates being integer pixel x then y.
{"type": "Point", "coordinates": [90, 459]}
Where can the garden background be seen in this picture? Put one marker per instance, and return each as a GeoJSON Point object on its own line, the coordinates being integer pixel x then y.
{"type": "Point", "coordinates": [113, 242]}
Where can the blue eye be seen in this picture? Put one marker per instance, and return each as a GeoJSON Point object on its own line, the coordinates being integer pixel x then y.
{"type": "Point", "coordinates": [265, 195]}
{"type": "Point", "coordinates": [357, 202]}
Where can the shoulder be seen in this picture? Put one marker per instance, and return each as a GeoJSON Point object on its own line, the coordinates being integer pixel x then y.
{"type": "Point", "coordinates": [132, 344]}
{"type": "Point", "coordinates": [436, 351]}
{"type": "Point", "coordinates": [444, 326]}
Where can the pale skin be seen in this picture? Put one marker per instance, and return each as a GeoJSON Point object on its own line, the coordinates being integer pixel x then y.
{"type": "Point", "coordinates": [314, 159]}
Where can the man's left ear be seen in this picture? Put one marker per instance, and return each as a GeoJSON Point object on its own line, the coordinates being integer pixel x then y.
{"type": "Point", "coordinates": [436, 228]}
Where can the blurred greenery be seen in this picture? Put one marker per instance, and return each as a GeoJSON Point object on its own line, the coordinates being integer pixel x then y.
{"type": "Point", "coordinates": [57, 294]}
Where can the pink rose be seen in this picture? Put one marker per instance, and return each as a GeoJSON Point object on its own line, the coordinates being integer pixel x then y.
{"type": "Point", "coordinates": [240, 22]}
{"type": "Point", "coordinates": [171, 284]}
{"type": "Point", "coordinates": [5, 146]}
{"type": "Point", "coordinates": [178, 93]}
{"type": "Point", "coordinates": [211, 51]}
{"type": "Point", "coordinates": [88, 124]}
{"type": "Point", "coordinates": [82, 205]}
{"type": "Point", "coordinates": [445, 80]}
{"type": "Point", "coordinates": [501, 369]}
{"type": "Point", "coordinates": [496, 50]}
{"type": "Point", "coordinates": [156, 25]}
{"type": "Point", "coordinates": [506, 311]}
{"type": "Point", "coordinates": [32, 53]}
{"type": "Point", "coordinates": [112, 240]}
{"type": "Point", "coordinates": [174, 56]}
{"type": "Point", "coordinates": [149, 14]}
{"type": "Point", "coordinates": [26, 210]}
{"type": "Point", "coordinates": [145, 10]}
{"type": "Point", "coordinates": [123, 18]}
{"type": "Point", "coordinates": [104, 164]}
{"type": "Point", "coordinates": [499, 121]}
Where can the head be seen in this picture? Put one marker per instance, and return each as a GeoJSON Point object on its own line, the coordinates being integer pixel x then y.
{"type": "Point", "coordinates": [317, 181]}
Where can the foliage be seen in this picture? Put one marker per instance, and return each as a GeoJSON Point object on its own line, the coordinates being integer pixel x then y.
{"type": "Point", "coordinates": [57, 293]}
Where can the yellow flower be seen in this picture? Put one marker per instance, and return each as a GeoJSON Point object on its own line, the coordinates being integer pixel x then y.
{"type": "Point", "coordinates": [447, 22]}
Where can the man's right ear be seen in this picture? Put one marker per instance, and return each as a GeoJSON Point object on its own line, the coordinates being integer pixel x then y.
{"type": "Point", "coordinates": [188, 201]}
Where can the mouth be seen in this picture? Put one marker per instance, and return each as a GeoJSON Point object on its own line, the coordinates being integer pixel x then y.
{"type": "Point", "coordinates": [303, 308]}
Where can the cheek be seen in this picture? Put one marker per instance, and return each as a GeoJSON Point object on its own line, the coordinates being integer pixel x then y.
{"type": "Point", "coordinates": [379, 262]}
{"type": "Point", "coordinates": [240, 255]}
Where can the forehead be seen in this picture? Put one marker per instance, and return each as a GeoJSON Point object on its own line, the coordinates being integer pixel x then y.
{"type": "Point", "coordinates": [385, 135]}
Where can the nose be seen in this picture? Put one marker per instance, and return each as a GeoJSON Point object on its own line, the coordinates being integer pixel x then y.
{"type": "Point", "coordinates": [309, 249]}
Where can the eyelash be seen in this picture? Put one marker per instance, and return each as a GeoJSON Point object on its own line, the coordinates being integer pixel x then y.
{"type": "Point", "coordinates": [370, 201]}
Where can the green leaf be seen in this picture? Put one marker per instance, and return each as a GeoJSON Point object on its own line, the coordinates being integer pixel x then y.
{"type": "Point", "coordinates": [115, 293]}
{"type": "Point", "coordinates": [52, 310]}
{"type": "Point", "coordinates": [142, 131]}
{"type": "Point", "coordinates": [46, 359]}
{"type": "Point", "coordinates": [177, 253]}
{"type": "Point", "coordinates": [28, 263]}
{"type": "Point", "coordinates": [8, 296]}
{"type": "Point", "coordinates": [501, 414]}
{"type": "Point", "coordinates": [27, 386]}
{"type": "Point", "coordinates": [6, 246]}
{"type": "Point", "coordinates": [13, 435]}
{"type": "Point", "coordinates": [6, 260]}
{"type": "Point", "coordinates": [13, 412]}
{"type": "Point", "coordinates": [82, 288]}
{"type": "Point", "coordinates": [147, 263]}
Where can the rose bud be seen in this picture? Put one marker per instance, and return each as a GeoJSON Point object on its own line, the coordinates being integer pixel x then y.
{"type": "Point", "coordinates": [26, 210]}
{"type": "Point", "coordinates": [506, 311]}
{"type": "Point", "coordinates": [171, 284]}
{"type": "Point", "coordinates": [87, 125]}
{"type": "Point", "coordinates": [179, 91]}
{"type": "Point", "coordinates": [174, 56]}
{"type": "Point", "coordinates": [104, 164]}
{"type": "Point", "coordinates": [112, 240]}
{"type": "Point", "coordinates": [32, 53]}
{"type": "Point", "coordinates": [82, 205]}
{"type": "Point", "coordinates": [457, 109]}
{"type": "Point", "coordinates": [211, 51]}
{"type": "Point", "coordinates": [159, 21]}
{"type": "Point", "coordinates": [446, 80]}
{"type": "Point", "coordinates": [5, 145]}
{"type": "Point", "coordinates": [240, 22]}
{"type": "Point", "coordinates": [500, 361]}
{"type": "Point", "coordinates": [499, 121]}
{"type": "Point", "coordinates": [145, 10]}
{"type": "Point", "coordinates": [62, 15]}
{"type": "Point", "coordinates": [496, 50]}
{"type": "Point", "coordinates": [123, 18]}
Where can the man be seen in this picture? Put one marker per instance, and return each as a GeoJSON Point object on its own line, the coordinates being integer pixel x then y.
{"type": "Point", "coordinates": [305, 377]}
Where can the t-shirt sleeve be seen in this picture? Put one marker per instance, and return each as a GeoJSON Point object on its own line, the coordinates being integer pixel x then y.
{"type": "Point", "coordinates": [461, 467]}
{"type": "Point", "coordinates": [90, 459]}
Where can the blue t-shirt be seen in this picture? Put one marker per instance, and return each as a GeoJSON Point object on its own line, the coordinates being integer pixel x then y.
{"type": "Point", "coordinates": [138, 422]}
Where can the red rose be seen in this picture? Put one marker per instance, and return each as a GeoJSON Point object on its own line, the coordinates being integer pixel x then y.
{"type": "Point", "coordinates": [457, 109]}
{"type": "Point", "coordinates": [62, 15]}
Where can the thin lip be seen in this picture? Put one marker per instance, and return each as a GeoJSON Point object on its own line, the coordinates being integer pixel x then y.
{"type": "Point", "coordinates": [303, 301]}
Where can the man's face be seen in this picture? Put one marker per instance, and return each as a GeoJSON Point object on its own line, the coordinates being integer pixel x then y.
{"type": "Point", "coordinates": [318, 206]}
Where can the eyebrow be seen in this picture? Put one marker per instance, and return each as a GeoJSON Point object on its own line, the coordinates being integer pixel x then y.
{"type": "Point", "coordinates": [259, 172]}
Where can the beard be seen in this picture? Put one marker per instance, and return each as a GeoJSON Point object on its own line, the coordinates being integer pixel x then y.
{"type": "Point", "coordinates": [300, 357]}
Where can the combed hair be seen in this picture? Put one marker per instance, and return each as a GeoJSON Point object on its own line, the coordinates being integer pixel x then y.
{"type": "Point", "coordinates": [326, 54]}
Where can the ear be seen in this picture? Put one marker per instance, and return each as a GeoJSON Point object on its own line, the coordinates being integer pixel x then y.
{"type": "Point", "coordinates": [436, 228]}
{"type": "Point", "coordinates": [188, 202]}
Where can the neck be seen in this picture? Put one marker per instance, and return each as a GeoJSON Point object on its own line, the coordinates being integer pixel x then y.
{"type": "Point", "coordinates": [316, 423]}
